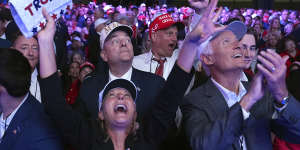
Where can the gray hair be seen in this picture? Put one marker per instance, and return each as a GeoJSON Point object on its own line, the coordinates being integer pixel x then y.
{"type": "Point", "coordinates": [205, 48]}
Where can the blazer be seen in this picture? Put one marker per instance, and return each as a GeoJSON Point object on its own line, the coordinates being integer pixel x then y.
{"type": "Point", "coordinates": [148, 85]}
{"type": "Point", "coordinates": [210, 124]}
{"type": "Point", "coordinates": [4, 43]}
{"type": "Point", "coordinates": [87, 134]}
{"type": "Point", "coordinates": [31, 129]}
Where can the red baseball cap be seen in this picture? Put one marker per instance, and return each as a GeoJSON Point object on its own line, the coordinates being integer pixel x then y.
{"type": "Point", "coordinates": [162, 22]}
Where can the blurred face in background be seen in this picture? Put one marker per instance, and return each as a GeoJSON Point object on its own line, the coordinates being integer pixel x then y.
{"type": "Point", "coordinates": [84, 71]}
{"type": "Point", "coordinates": [248, 21]}
{"type": "Point", "coordinates": [89, 21]}
{"type": "Point", "coordinates": [257, 28]}
{"type": "Point", "coordinates": [285, 15]}
{"type": "Point", "coordinates": [272, 40]}
{"type": "Point", "coordinates": [290, 46]}
{"type": "Point", "coordinates": [275, 23]}
{"type": "Point", "coordinates": [77, 58]}
{"type": "Point", "coordinates": [74, 70]}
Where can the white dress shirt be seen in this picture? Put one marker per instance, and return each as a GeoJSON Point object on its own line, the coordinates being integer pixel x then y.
{"type": "Point", "coordinates": [4, 123]}
{"type": "Point", "coordinates": [126, 76]}
{"type": "Point", "coordinates": [231, 98]}
{"type": "Point", "coordinates": [145, 63]}
{"type": "Point", "coordinates": [35, 86]}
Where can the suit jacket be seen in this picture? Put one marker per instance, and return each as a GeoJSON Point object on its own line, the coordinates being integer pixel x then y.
{"type": "Point", "coordinates": [4, 43]}
{"type": "Point", "coordinates": [30, 129]}
{"type": "Point", "coordinates": [148, 85]}
{"type": "Point", "coordinates": [87, 134]}
{"type": "Point", "coordinates": [211, 124]}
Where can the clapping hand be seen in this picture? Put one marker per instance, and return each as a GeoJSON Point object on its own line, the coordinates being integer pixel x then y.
{"type": "Point", "coordinates": [274, 70]}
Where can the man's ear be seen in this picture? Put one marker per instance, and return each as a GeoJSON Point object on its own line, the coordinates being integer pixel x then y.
{"type": "Point", "coordinates": [207, 59]}
{"type": "Point", "coordinates": [2, 89]}
{"type": "Point", "coordinates": [101, 115]}
{"type": "Point", "coordinates": [154, 36]}
{"type": "Point", "coordinates": [103, 55]}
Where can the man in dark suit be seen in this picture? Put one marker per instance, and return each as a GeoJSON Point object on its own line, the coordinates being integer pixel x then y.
{"type": "Point", "coordinates": [4, 43]}
{"type": "Point", "coordinates": [23, 122]}
{"type": "Point", "coordinates": [225, 113]}
{"type": "Point", "coordinates": [119, 60]}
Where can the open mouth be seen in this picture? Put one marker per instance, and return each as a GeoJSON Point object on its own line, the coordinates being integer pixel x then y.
{"type": "Point", "coordinates": [120, 108]}
{"type": "Point", "coordinates": [172, 45]}
{"type": "Point", "coordinates": [237, 56]}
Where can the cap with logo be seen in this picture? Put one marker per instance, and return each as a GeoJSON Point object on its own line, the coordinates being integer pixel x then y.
{"type": "Point", "coordinates": [112, 27]}
{"type": "Point", "coordinates": [163, 21]}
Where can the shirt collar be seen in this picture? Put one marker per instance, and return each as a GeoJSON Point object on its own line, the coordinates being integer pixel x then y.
{"type": "Point", "coordinates": [126, 76]}
{"type": "Point", "coordinates": [244, 77]}
{"type": "Point", "coordinates": [11, 116]}
{"type": "Point", "coordinates": [150, 55]}
{"type": "Point", "coordinates": [34, 74]}
{"type": "Point", "coordinates": [230, 97]}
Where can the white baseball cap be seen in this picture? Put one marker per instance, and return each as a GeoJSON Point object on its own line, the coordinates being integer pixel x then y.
{"type": "Point", "coordinates": [112, 27]}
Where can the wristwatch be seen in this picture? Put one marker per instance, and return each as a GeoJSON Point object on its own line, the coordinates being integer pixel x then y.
{"type": "Point", "coordinates": [285, 100]}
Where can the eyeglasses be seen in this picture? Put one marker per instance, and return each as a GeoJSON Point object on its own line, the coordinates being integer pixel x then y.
{"type": "Point", "coordinates": [116, 42]}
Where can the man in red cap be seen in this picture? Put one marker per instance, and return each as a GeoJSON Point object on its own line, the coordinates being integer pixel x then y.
{"type": "Point", "coordinates": [163, 35]}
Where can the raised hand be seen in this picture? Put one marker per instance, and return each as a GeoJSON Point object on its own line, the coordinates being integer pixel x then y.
{"type": "Point", "coordinates": [274, 70]}
{"type": "Point", "coordinates": [206, 25]}
{"type": "Point", "coordinates": [48, 32]}
{"type": "Point", "coordinates": [203, 29]}
{"type": "Point", "coordinates": [46, 44]}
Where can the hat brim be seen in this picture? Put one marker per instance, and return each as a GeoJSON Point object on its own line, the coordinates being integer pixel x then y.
{"type": "Point", "coordinates": [124, 28]}
{"type": "Point", "coordinates": [121, 83]}
{"type": "Point", "coordinates": [238, 28]}
{"type": "Point", "coordinates": [178, 25]}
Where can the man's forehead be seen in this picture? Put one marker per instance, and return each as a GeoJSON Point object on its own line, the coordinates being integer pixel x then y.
{"type": "Point", "coordinates": [116, 34]}
{"type": "Point", "coordinates": [173, 27]}
{"type": "Point", "coordinates": [118, 88]}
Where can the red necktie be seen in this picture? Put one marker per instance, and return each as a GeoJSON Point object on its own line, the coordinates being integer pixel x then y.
{"type": "Point", "coordinates": [160, 69]}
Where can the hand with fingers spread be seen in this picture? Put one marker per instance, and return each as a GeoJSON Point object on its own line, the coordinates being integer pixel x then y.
{"type": "Point", "coordinates": [206, 25]}
{"type": "Point", "coordinates": [204, 28]}
{"type": "Point", "coordinates": [274, 70]}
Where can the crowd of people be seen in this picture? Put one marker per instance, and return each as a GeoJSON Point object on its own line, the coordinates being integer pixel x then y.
{"type": "Point", "coordinates": [196, 77]}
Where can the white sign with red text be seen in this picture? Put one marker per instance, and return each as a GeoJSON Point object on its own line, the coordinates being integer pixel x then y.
{"type": "Point", "coordinates": [28, 13]}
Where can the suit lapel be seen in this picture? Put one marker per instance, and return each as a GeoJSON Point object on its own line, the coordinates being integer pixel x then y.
{"type": "Point", "coordinates": [102, 80]}
{"type": "Point", "coordinates": [17, 125]}
{"type": "Point", "coordinates": [218, 104]}
{"type": "Point", "coordinates": [136, 79]}
{"type": "Point", "coordinates": [215, 98]}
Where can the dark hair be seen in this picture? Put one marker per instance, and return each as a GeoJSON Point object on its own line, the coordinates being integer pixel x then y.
{"type": "Point", "coordinates": [12, 32]}
{"type": "Point", "coordinates": [251, 32]}
{"type": "Point", "coordinates": [5, 14]}
{"type": "Point", "coordinates": [15, 72]}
